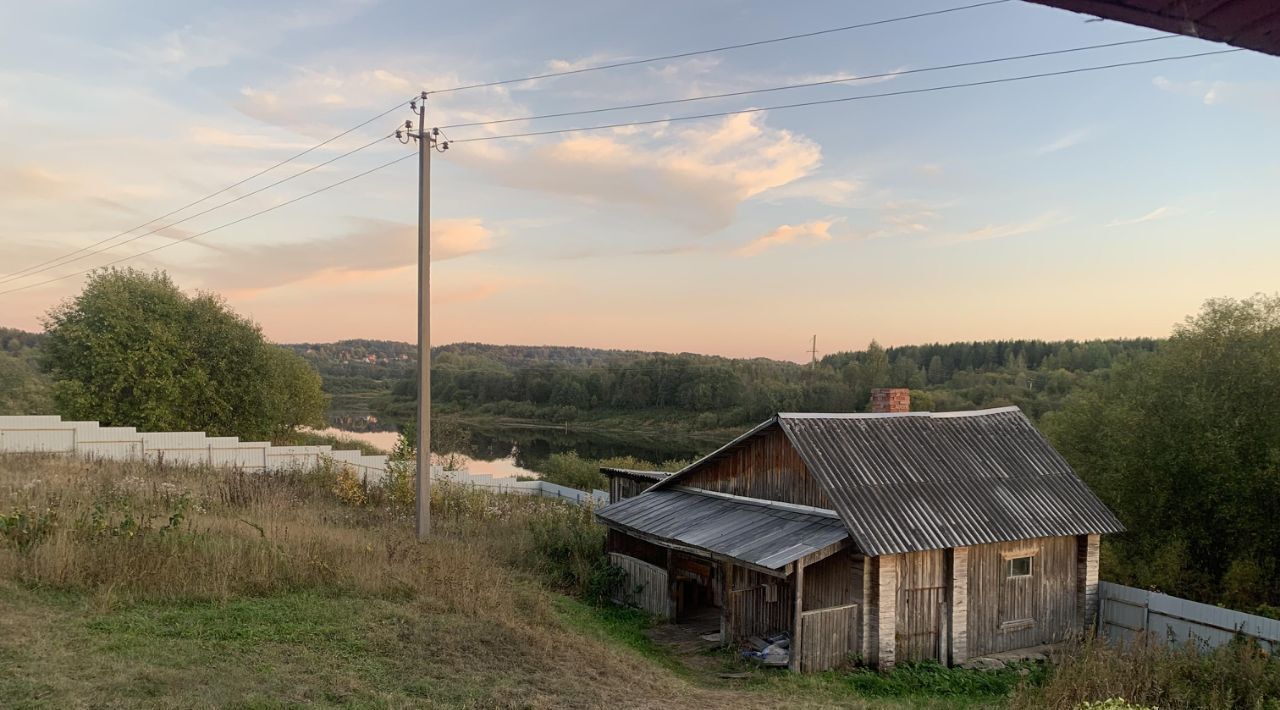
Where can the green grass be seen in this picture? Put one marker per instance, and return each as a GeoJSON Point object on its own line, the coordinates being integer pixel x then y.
{"type": "Point", "coordinates": [618, 626]}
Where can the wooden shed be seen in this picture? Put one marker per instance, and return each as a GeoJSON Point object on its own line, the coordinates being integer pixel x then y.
{"type": "Point", "coordinates": [888, 536]}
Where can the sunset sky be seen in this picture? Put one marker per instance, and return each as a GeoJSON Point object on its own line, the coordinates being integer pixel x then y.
{"type": "Point", "coordinates": [1094, 205]}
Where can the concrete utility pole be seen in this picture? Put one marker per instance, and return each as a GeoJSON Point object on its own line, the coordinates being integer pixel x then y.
{"type": "Point", "coordinates": [813, 354]}
{"type": "Point", "coordinates": [426, 142]}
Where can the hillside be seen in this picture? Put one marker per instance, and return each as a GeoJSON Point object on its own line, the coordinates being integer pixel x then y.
{"type": "Point", "coordinates": [372, 382]}
{"type": "Point", "coordinates": [692, 393]}
{"type": "Point", "coordinates": [168, 587]}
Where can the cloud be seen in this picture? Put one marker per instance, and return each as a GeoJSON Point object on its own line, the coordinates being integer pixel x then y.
{"type": "Point", "coordinates": [931, 170]}
{"type": "Point", "coordinates": [836, 192]}
{"type": "Point", "coordinates": [376, 247]}
{"type": "Point", "coordinates": [695, 176]}
{"type": "Point", "coordinates": [1001, 231]}
{"type": "Point", "coordinates": [1157, 213]}
{"type": "Point", "coordinates": [815, 231]}
{"type": "Point", "coordinates": [220, 138]}
{"type": "Point", "coordinates": [1068, 140]}
{"type": "Point", "coordinates": [1264, 95]}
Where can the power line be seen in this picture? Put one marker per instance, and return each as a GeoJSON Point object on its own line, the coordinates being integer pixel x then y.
{"type": "Point", "coordinates": [232, 186]}
{"type": "Point", "coordinates": [698, 52]}
{"type": "Point", "coordinates": [846, 99]}
{"type": "Point", "coordinates": [135, 238]}
{"type": "Point", "coordinates": [214, 229]}
{"type": "Point", "coordinates": [806, 85]}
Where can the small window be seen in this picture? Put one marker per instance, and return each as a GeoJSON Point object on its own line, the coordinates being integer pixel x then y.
{"type": "Point", "coordinates": [1019, 567]}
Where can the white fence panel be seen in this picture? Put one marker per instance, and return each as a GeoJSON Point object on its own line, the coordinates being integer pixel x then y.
{"type": "Point", "coordinates": [176, 447]}
{"type": "Point", "coordinates": [1126, 612]}
{"type": "Point", "coordinates": [50, 434]}
{"type": "Point", "coordinates": [38, 439]}
{"type": "Point", "coordinates": [116, 443]}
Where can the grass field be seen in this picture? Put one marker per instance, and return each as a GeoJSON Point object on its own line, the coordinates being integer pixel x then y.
{"type": "Point", "coordinates": [128, 585]}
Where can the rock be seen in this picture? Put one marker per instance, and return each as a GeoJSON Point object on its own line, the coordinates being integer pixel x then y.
{"type": "Point", "coordinates": [983, 664]}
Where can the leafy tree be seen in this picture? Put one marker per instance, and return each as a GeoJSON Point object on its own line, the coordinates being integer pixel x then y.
{"type": "Point", "coordinates": [1184, 444]}
{"type": "Point", "coordinates": [133, 350]}
{"type": "Point", "coordinates": [22, 389]}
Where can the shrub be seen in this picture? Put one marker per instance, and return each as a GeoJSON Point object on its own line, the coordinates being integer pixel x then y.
{"type": "Point", "coordinates": [568, 548]}
{"type": "Point", "coordinates": [1149, 673]}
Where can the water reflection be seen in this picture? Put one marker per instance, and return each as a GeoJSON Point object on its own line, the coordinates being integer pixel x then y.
{"type": "Point", "coordinates": [519, 451]}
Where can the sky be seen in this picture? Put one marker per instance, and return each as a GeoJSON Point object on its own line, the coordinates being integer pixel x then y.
{"type": "Point", "coordinates": [1100, 204]}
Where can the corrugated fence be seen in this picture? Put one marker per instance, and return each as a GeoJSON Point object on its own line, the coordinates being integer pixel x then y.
{"type": "Point", "coordinates": [49, 434]}
{"type": "Point", "coordinates": [1126, 612]}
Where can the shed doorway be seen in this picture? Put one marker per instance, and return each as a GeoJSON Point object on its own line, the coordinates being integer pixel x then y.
{"type": "Point", "coordinates": [696, 589]}
{"type": "Point", "coordinates": [923, 598]}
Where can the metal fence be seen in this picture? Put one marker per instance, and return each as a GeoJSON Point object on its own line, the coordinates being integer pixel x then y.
{"type": "Point", "coordinates": [49, 434]}
{"type": "Point", "coordinates": [1126, 612]}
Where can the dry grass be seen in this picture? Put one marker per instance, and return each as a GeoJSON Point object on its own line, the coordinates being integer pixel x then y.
{"type": "Point", "coordinates": [1151, 673]}
{"type": "Point", "coordinates": [125, 585]}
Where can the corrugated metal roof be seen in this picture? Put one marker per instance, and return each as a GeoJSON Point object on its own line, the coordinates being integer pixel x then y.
{"type": "Point", "coordinates": [1251, 24]}
{"type": "Point", "coordinates": [761, 533]}
{"type": "Point", "coordinates": [921, 481]}
{"type": "Point", "coordinates": [634, 473]}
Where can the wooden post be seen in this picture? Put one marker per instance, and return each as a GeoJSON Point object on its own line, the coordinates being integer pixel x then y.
{"type": "Point", "coordinates": [959, 605]}
{"type": "Point", "coordinates": [1087, 553]}
{"type": "Point", "coordinates": [726, 601]}
{"type": "Point", "coordinates": [673, 588]}
{"type": "Point", "coordinates": [869, 609]}
{"type": "Point", "coordinates": [796, 640]}
{"type": "Point", "coordinates": [887, 624]}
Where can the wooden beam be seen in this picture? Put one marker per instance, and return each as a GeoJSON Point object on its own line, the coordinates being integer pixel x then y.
{"type": "Point", "coordinates": [726, 601]}
{"type": "Point", "coordinates": [673, 587]}
{"type": "Point", "coordinates": [797, 643]}
{"type": "Point", "coordinates": [959, 605]}
{"type": "Point", "coordinates": [825, 552]}
{"type": "Point", "coordinates": [699, 552]}
{"type": "Point", "coordinates": [887, 608]}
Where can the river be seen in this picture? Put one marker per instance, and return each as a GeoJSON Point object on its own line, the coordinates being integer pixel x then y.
{"type": "Point", "coordinates": [509, 451]}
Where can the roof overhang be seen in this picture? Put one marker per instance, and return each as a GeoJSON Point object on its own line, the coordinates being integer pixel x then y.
{"type": "Point", "coordinates": [1248, 24]}
{"type": "Point", "coordinates": [766, 536]}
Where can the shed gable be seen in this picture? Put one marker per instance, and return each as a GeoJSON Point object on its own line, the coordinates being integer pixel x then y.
{"type": "Point", "coordinates": [765, 465]}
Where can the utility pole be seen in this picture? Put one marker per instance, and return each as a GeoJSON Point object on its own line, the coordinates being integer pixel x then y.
{"type": "Point", "coordinates": [426, 143]}
{"type": "Point", "coordinates": [813, 354]}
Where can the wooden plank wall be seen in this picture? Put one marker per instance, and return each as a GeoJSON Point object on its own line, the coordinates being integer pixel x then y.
{"type": "Point", "coordinates": [834, 581]}
{"type": "Point", "coordinates": [617, 541]}
{"type": "Point", "coordinates": [994, 600]}
{"type": "Point", "coordinates": [828, 637]}
{"type": "Point", "coordinates": [750, 611]}
{"type": "Point", "coordinates": [923, 583]}
{"type": "Point", "coordinates": [645, 586]}
{"type": "Point", "coordinates": [622, 488]}
{"type": "Point", "coordinates": [765, 466]}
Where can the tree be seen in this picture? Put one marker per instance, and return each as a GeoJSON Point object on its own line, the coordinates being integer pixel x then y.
{"type": "Point", "coordinates": [133, 350]}
{"type": "Point", "coordinates": [1184, 445]}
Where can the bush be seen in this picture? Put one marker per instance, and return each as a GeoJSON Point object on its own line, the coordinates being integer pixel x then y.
{"type": "Point", "coordinates": [568, 549]}
{"type": "Point", "coordinates": [1149, 673]}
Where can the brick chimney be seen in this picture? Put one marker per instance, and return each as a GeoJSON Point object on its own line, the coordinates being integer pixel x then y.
{"type": "Point", "coordinates": [890, 400]}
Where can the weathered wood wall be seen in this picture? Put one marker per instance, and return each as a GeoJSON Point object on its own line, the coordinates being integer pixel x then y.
{"type": "Point", "coordinates": [828, 637]}
{"type": "Point", "coordinates": [755, 610]}
{"type": "Point", "coordinates": [834, 581]}
{"type": "Point", "coordinates": [765, 466]}
{"type": "Point", "coordinates": [645, 585]}
{"type": "Point", "coordinates": [1004, 613]}
{"type": "Point", "coordinates": [622, 488]}
{"type": "Point", "coordinates": [617, 541]}
{"type": "Point", "coordinates": [922, 589]}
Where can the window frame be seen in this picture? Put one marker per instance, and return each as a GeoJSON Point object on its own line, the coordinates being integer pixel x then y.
{"type": "Point", "coordinates": [1009, 567]}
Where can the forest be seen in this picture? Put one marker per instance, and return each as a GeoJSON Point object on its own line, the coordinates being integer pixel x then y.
{"type": "Point", "coordinates": [708, 392]}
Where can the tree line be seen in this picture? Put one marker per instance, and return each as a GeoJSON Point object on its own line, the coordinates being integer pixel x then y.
{"type": "Point", "coordinates": [1033, 374]}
